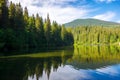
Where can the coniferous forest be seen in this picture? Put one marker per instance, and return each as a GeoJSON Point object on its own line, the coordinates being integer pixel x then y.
{"type": "Point", "coordinates": [20, 31]}
{"type": "Point", "coordinates": [87, 35]}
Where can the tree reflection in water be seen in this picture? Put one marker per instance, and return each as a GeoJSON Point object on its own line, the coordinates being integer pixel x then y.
{"type": "Point", "coordinates": [93, 57]}
{"type": "Point", "coordinates": [82, 57]}
{"type": "Point", "coordinates": [22, 68]}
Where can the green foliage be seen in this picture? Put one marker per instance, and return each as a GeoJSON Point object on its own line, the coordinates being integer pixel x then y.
{"type": "Point", "coordinates": [96, 35]}
{"type": "Point", "coordinates": [47, 28]}
{"type": "Point", "coordinates": [21, 32]}
{"type": "Point", "coordinates": [26, 17]}
{"type": "Point", "coordinates": [19, 19]}
{"type": "Point", "coordinates": [63, 33]}
{"type": "Point", "coordinates": [12, 12]}
{"type": "Point", "coordinates": [3, 13]}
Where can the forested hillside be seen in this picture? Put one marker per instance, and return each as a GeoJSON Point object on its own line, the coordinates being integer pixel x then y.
{"type": "Point", "coordinates": [91, 22]}
{"type": "Point", "coordinates": [19, 31]}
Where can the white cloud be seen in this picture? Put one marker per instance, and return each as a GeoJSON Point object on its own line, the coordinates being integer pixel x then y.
{"type": "Point", "coordinates": [59, 14]}
{"type": "Point", "coordinates": [106, 16]}
{"type": "Point", "coordinates": [59, 10]}
{"type": "Point", "coordinates": [118, 21]}
{"type": "Point", "coordinates": [107, 1]}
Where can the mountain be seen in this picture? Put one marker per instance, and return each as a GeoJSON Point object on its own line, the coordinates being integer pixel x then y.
{"type": "Point", "coordinates": [88, 22]}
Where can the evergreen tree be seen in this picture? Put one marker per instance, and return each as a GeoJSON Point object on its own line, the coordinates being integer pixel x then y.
{"type": "Point", "coordinates": [31, 24]}
{"type": "Point", "coordinates": [12, 12]}
{"type": "Point", "coordinates": [26, 17]}
{"type": "Point", "coordinates": [37, 22]}
{"type": "Point", "coordinates": [64, 34]}
{"type": "Point", "coordinates": [47, 29]}
{"type": "Point", "coordinates": [3, 13]}
{"type": "Point", "coordinates": [19, 31]}
{"type": "Point", "coordinates": [19, 19]}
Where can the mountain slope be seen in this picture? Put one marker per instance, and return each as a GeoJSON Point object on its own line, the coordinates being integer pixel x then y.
{"type": "Point", "coordinates": [86, 22]}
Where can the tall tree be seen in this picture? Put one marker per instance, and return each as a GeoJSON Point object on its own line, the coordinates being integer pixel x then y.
{"type": "Point", "coordinates": [31, 24]}
{"type": "Point", "coordinates": [26, 17]}
{"type": "Point", "coordinates": [41, 26]}
{"type": "Point", "coordinates": [40, 30]}
{"type": "Point", "coordinates": [37, 22]}
{"type": "Point", "coordinates": [55, 32]}
{"type": "Point", "coordinates": [63, 34]}
{"type": "Point", "coordinates": [47, 28]}
{"type": "Point", "coordinates": [3, 13]}
{"type": "Point", "coordinates": [19, 24]}
{"type": "Point", "coordinates": [12, 12]}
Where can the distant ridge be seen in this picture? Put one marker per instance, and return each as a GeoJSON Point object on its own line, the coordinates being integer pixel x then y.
{"type": "Point", "coordinates": [90, 22]}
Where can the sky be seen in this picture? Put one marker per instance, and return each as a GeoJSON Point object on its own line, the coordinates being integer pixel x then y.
{"type": "Point", "coordinates": [64, 11]}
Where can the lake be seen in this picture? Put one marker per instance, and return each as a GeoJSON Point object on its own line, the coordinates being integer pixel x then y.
{"type": "Point", "coordinates": [78, 63]}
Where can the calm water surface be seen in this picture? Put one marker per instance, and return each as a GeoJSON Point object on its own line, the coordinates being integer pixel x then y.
{"type": "Point", "coordinates": [80, 63]}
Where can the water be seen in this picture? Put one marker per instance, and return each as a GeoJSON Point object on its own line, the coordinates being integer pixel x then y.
{"type": "Point", "coordinates": [80, 63]}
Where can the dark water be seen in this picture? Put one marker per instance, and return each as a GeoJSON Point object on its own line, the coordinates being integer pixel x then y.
{"type": "Point", "coordinates": [80, 63]}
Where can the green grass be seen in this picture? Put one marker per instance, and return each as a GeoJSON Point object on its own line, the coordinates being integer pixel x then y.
{"type": "Point", "coordinates": [39, 55]}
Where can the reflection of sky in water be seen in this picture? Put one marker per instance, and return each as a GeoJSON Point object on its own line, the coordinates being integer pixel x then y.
{"type": "Point", "coordinates": [67, 72]}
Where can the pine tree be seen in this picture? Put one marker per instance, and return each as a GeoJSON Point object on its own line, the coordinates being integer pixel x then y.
{"type": "Point", "coordinates": [19, 19]}
{"type": "Point", "coordinates": [31, 24]}
{"type": "Point", "coordinates": [47, 28]}
{"type": "Point", "coordinates": [3, 13]}
{"type": "Point", "coordinates": [26, 17]}
{"type": "Point", "coordinates": [64, 35]}
{"type": "Point", "coordinates": [37, 22]}
{"type": "Point", "coordinates": [12, 12]}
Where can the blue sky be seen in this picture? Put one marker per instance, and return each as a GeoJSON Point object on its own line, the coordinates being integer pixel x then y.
{"type": "Point", "coordinates": [64, 11]}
